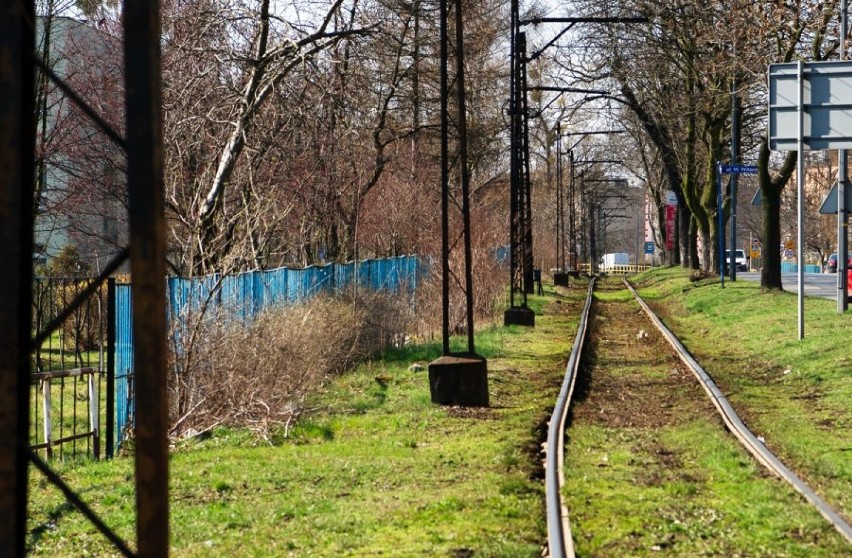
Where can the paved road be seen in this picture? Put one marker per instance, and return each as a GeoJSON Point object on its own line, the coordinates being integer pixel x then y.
{"type": "Point", "coordinates": [816, 284]}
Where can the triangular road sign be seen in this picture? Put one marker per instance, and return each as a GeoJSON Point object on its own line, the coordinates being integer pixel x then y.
{"type": "Point", "coordinates": [829, 205]}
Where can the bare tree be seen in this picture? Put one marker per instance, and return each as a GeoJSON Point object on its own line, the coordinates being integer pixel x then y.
{"type": "Point", "coordinates": [79, 195]}
{"type": "Point", "coordinates": [224, 61]}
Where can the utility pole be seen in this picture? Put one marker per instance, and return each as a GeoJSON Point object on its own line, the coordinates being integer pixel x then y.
{"type": "Point", "coordinates": [842, 183]}
{"type": "Point", "coordinates": [520, 255]}
{"type": "Point", "coordinates": [456, 378]}
{"type": "Point", "coordinates": [735, 154]}
{"type": "Point", "coordinates": [520, 206]}
{"type": "Point", "coordinates": [560, 276]}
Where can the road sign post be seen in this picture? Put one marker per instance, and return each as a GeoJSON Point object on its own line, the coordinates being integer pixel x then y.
{"type": "Point", "coordinates": [809, 109]}
{"type": "Point", "coordinates": [721, 226]}
{"type": "Point", "coordinates": [729, 169]}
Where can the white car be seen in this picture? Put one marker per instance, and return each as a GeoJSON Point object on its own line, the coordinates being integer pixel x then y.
{"type": "Point", "coordinates": [739, 258]}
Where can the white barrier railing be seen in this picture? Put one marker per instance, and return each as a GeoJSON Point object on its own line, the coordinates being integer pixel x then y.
{"type": "Point", "coordinates": [623, 269]}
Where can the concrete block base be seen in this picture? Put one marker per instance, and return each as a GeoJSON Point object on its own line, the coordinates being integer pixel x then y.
{"type": "Point", "coordinates": [459, 380]}
{"type": "Point", "coordinates": [520, 315]}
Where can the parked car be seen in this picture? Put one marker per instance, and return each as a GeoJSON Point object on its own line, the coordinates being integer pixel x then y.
{"type": "Point", "coordinates": [832, 262]}
{"type": "Point", "coordinates": [739, 258]}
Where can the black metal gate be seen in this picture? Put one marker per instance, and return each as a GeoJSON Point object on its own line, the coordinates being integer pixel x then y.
{"type": "Point", "coordinates": [69, 374]}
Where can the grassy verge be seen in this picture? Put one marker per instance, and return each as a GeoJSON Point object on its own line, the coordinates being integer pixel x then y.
{"type": "Point", "coordinates": [374, 469]}
{"type": "Point", "coordinates": [795, 394]}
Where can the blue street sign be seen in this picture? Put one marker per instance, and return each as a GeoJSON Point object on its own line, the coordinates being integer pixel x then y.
{"type": "Point", "coordinates": [738, 169]}
{"type": "Point", "coordinates": [649, 247]}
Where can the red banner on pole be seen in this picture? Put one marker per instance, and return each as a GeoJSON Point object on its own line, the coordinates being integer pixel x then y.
{"type": "Point", "coordinates": [670, 226]}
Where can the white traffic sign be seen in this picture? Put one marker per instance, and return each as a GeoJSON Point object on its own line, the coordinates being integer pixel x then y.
{"type": "Point", "coordinates": [826, 100]}
{"type": "Point", "coordinates": [829, 204]}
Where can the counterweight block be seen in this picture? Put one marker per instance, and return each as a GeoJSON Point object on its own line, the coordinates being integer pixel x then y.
{"type": "Point", "coordinates": [460, 379]}
{"type": "Point", "coordinates": [560, 279]}
{"type": "Point", "coordinates": [519, 315]}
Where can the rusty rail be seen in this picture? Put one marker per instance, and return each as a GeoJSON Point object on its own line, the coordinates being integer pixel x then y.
{"type": "Point", "coordinates": [748, 440]}
{"type": "Point", "coordinates": [559, 541]}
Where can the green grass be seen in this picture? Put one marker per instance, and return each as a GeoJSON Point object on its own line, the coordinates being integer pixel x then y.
{"type": "Point", "coordinates": [55, 355]}
{"type": "Point", "coordinates": [796, 394]}
{"type": "Point", "coordinates": [375, 468]}
{"type": "Point", "coordinates": [715, 502]}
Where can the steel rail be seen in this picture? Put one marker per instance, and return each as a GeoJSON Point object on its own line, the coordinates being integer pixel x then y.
{"type": "Point", "coordinates": [740, 430]}
{"type": "Point", "coordinates": [559, 541]}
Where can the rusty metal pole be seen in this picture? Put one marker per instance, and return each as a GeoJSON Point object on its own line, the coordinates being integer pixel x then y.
{"type": "Point", "coordinates": [17, 140]}
{"type": "Point", "coordinates": [445, 181]}
{"type": "Point", "coordinates": [147, 265]}
{"type": "Point", "coordinates": [526, 178]}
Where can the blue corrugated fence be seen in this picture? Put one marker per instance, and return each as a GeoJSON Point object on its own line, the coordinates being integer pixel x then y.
{"type": "Point", "coordinates": [123, 361]}
{"type": "Point", "coordinates": [241, 297]}
{"type": "Point", "coordinates": [790, 267]}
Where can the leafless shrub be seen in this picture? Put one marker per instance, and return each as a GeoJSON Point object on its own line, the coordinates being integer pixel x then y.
{"type": "Point", "coordinates": [258, 375]}
{"type": "Point", "coordinates": [490, 278]}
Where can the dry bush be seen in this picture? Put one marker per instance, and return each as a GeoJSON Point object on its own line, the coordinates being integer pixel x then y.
{"type": "Point", "coordinates": [490, 278]}
{"type": "Point", "coordinates": [258, 375]}
{"type": "Point", "coordinates": [85, 328]}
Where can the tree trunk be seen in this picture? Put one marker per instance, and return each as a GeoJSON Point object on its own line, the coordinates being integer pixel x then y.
{"type": "Point", "coordinates": [770, 275]}
{"type": "Point", "coordinates": [684, 217]}
{"type": "Point", "coordinates": [694, 261]}
{"type": "Point", "coordinates": [706, 247]}
{"type": "Point", "coordinates": [770, 194]}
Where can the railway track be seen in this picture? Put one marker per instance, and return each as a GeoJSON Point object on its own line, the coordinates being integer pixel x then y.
{"type": "Point", "coordinates": [627, 371]}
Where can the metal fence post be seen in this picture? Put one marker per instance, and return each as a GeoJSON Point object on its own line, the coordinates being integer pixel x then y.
{"type": "Point", "coordinates": [110, 369]}
{"type": "Point", "coordinates": [94, 416]}
{"type": "Point", "coordinates": [147, 262]}
{"type": "Point", "coordinates": [17, 135]}
{"type": "Point", "coordinates": [47, 422]}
